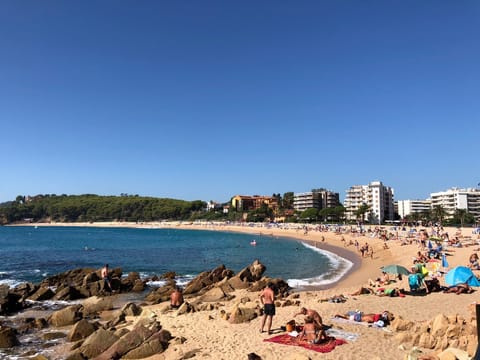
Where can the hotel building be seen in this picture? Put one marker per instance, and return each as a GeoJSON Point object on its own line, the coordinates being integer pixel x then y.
{"type": "Point", "coordinates": [408, 207]}
{"type": "Point", "coordinates": [378, 198]}
{"type": "Point", "coordinates": [455, 198]}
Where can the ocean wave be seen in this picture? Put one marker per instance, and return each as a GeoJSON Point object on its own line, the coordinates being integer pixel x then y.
{"type": "Point", "coordinates": [340, 267]}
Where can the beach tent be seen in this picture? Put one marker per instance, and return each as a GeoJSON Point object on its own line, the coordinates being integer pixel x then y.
{"type": "Point", "coordinates": [461, 275]}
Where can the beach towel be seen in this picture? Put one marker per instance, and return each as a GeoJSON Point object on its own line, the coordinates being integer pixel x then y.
{"type": "Point", "coordinates": [324, 347]}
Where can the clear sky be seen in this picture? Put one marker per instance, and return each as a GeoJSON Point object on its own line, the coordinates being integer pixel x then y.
{"type": "Point", "coordinates": [208, 99]}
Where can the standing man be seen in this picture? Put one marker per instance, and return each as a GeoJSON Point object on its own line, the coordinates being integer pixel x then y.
{"type": "Point", "coordinates": [267, 297]}
{"type": "Point", "coordinates": [107, 286]}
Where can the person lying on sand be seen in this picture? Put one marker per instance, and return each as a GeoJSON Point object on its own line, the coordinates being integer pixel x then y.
{"type": "Point", "coordinates": [311, 332]}
{"type": "Point", "coordinates": [459, 289]}
{"type": "Point", "coordinates": [363, 291]}
{"type": "Point", "coordinates": [385, 316]}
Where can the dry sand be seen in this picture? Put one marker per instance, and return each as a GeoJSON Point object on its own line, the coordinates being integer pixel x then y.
{"type": "Point", "coordinates": [214, 338]}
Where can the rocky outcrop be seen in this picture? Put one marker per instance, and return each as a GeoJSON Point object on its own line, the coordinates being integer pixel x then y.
{"type": "Point", "coordinates": [438, 334]}
{"type": "Point", "coordinates": [205, 280]}
{"type": "Point", "coordinates": [9, 302]}
{"type": "Point", "coordinates": [8, 337]}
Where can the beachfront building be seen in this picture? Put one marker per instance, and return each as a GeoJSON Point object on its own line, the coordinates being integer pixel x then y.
{"type": "Point", "coordinates": [454, 199]}
{"type": "Point", "coordinates": [377, 197]}
{"type": "Point", "coordinates": [409, 207]}
{"type": "Point", "coordinates": [248, 203]}
{"type": "Point", "coordinates": [317, 199]}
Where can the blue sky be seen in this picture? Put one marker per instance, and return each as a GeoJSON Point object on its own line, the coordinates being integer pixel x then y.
{"type": "Point", "coordinates": [208, 99]}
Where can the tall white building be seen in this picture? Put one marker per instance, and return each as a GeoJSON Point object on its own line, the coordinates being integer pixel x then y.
{"type": "Point", "coordinates": [408, 207]}
{"type": "Point", "coordinates": [378, 198]}
{"type": "Point", "coordinates": [455, 198]}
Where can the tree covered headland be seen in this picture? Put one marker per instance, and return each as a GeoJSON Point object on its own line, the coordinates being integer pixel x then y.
{"type": "Point", "coordinates": [88, 208]}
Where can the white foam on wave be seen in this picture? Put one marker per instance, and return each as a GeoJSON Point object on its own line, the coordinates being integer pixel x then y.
{"type": "Point", "coordinates": [10, 282]}
{"type": "Point", "coordinates": [156, 284]}
{"type": "Point", "coordinates": [340, 265]}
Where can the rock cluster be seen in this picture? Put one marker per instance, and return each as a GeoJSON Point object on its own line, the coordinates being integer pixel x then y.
{"type": "Point", "coordinates": [115, 338]}
{"type": "Point", "coordinates": [440, 333]}
{"type": "Point", "coordinates": [71, 285]}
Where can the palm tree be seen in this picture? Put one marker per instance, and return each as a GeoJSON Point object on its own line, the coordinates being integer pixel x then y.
{"type": "Point", "coordinates": [461, 214]}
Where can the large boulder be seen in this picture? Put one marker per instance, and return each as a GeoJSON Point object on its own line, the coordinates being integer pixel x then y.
{"type": "Point", "coordinates": [8, 337]}
{"type": "Point", "coordinates": [206, 279]}
{"type": "Point", "coordinates": [240, 315]}
{"type": "Point", "coordinates": [67, 293]}
{"type": "Point", "coordinates": [67, 316]}
{"type": "Point", "coordinates": [157, 343]}
{"type": "Point", "coordinates": [161, 294]}
{"type": "Point", "coordinates": [214, 294]}
{"type": "Point", "coordinates": [10, 302]}
{"type": "Point", "coordinates": [97, 343]}
{"type": "Point", "coordinates": [96, 304]}
{"type": "Point", "coordinates": [142, 331]}
{"type": "Point", "coordinates": [43, 293]}
{"type": "Point", "coordinates": [81, 330]}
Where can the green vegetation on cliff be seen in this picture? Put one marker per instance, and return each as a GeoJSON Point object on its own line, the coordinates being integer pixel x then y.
{"type": "Point", "coordinates": [86, 208]}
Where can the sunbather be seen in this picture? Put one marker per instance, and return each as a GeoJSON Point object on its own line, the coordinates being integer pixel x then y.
{"type": "Point", "coordinates": [386, 317]}
{"type": "Point", "coordinates": [459, 289]}
{"type": "Point", "coordinates": [311, 332]}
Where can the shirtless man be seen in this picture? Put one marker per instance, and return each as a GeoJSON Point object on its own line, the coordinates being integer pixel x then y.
{"type": "Point", "coordinates": [107, 286]}
{"type": "Point", "coordinates": [267, 297]}
{"type": "Point", "coordinates": [317, 319]}
{"type": "Point", "coordinates": [176, 298]}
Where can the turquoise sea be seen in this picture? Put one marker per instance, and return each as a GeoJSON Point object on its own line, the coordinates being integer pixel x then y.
{"type": "Point", "coordinates": [31, 254]}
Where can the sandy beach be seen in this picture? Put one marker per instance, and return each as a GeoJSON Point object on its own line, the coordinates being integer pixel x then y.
{"type": "Point", "coordinates": [210, 336]}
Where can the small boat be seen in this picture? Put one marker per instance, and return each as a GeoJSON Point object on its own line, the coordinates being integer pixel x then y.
{"type": "Point", "coordinates": [253, 242]}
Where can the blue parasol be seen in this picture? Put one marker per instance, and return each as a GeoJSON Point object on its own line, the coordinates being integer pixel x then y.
{"type": "Point", "coordinates": [461, 275]}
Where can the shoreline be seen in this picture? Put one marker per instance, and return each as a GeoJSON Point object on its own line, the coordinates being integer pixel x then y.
{"type": "Point", "coordinates": [312, 239]}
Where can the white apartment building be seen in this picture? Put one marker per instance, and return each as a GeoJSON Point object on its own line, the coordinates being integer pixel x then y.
{"type": "Point", "coordinates": [408, 207]}
{"type": "Point", "coordinates": [455, 198]}
{"type": "Point", "coordinates": [378, 197]}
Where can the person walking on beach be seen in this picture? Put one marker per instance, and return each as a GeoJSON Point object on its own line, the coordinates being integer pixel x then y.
{"type": "Point", "coordinates": [267, 297]}
{"type": "Point", "coordinates": [107, 286]}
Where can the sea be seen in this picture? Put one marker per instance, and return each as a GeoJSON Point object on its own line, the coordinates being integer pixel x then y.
{"type": "Point", "coordinates": [30, 254]}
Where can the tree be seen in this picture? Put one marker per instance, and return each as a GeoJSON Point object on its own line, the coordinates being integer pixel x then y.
{"type": "Point", "coordinates": [309, 215]}
{"type": "Point", "coordinates": [287, 202]}
{"type": "Point", "coordinates": [361, 211]}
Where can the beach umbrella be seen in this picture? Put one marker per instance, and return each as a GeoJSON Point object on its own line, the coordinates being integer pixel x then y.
{"type": "Point", "coordinates": [395, 269]}
{"type": "Point", "coordinates": [460, 275]}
